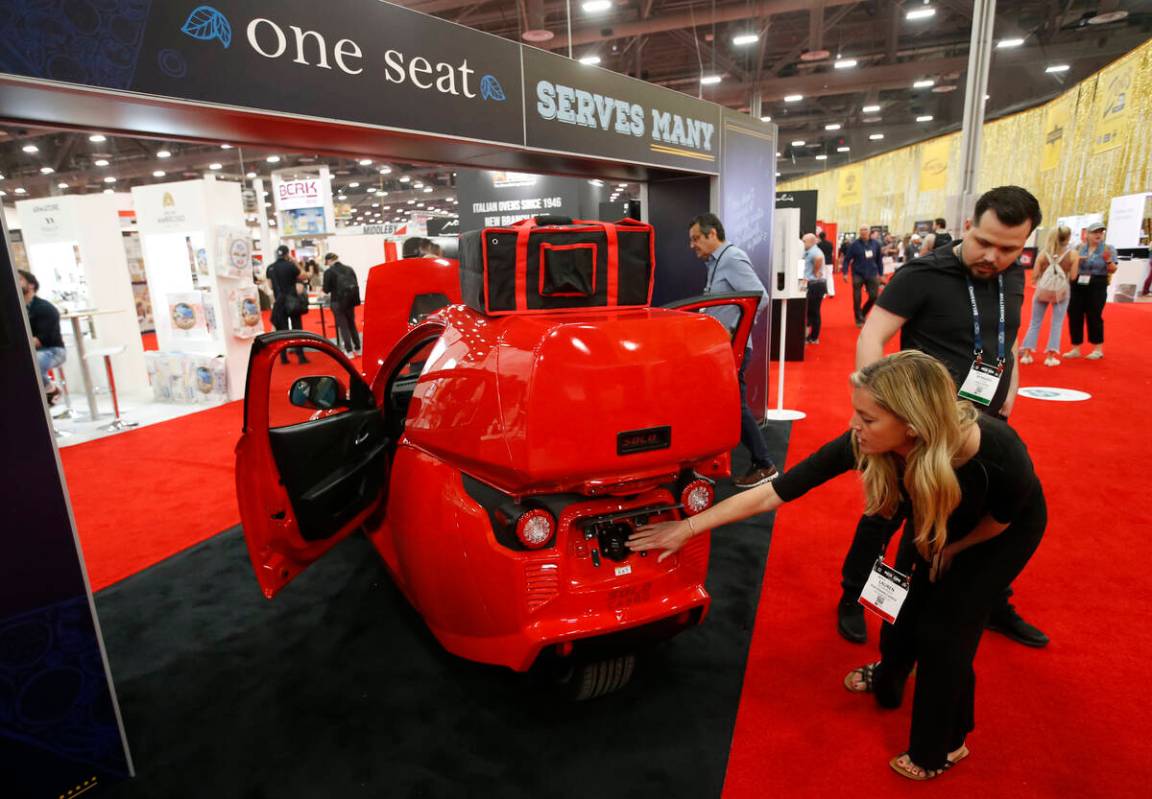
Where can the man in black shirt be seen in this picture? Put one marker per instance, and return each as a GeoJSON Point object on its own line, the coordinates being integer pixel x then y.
{"type": "Point", "coordinates": [930, 303]}
{"type": "Point", "coordinates": [44, 321]}
{"type": "Point", "coordinates": [343, 290]}
{"type": "Point", "coordinates": [826, 248]}
{"type": "Point", "coordinates": [866, 263]}
{"type": "Point", "coordinates": [288, 306]}
{"type": "Point", "coordinates": [940, 237]}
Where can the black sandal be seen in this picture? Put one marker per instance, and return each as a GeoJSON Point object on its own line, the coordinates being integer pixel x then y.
{"type": "Point", "coordinates": [926, 774]}
{"type": "Point", "coordinates": [865, 673]}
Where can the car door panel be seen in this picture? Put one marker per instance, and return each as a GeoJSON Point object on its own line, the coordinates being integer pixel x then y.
{"type": "Point", "coordinates": [746, 302]}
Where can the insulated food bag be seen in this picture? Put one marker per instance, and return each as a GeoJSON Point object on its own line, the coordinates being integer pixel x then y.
{"type": "Point", "coordinates": [553, 263]}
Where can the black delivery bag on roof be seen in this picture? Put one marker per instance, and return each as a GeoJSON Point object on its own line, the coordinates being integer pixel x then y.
{"type": "Point", "coordinates": [553, 263]}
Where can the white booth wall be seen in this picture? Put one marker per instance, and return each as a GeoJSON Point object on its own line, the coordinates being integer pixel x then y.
{"type": "Point", "coordinates": [360, 252]}
{"type": "Point", "coordinates": [176, 222]}
{"type": "Point", "coordinates": [58, 232]}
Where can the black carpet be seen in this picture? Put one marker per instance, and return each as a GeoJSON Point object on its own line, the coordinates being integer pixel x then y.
{"type": "Point", "coordinates": [336, 689]}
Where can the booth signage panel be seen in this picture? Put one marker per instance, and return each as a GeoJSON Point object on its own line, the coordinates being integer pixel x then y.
{"type": "Point", "coordinates": [47, 221]}
{"type": "Point", "coordinates": [805, 201]}
{"type": "Point", "coordinates": [366, 62]}
{"type": "Point", "coordinates": [1127, 215]}
{"type": "Point", "coordinates": [291, 194]}
{"type": "Point", "coordinates": [492, 199]}
{"type": "Point", "coordinates": [573, 108]}
{"type": "Point", "coordinates": [170, 207]}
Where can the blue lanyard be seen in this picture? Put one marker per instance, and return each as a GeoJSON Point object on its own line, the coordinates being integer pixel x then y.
{"type": "Point", "coordinates": [711, 277]}
{"type": "Point", "coordinates": [978, 344]}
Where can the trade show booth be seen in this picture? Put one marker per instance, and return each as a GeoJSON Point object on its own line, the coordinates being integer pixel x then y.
{"type": "Point", "coordinates": [492, 105]}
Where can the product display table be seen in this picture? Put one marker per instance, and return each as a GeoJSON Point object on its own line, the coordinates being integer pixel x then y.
{"type": "Point", "coordinates": [74, 317]}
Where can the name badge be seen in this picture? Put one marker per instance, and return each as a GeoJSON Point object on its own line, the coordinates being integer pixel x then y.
{"type": "Point", "coordinates": [981, 383]}
{"type": "Point", "coordinates": [868, 254]}
{"type": "Point", "coordinates": [1084, 280]}
{"type": "Point", "coordinates": [885, 591]}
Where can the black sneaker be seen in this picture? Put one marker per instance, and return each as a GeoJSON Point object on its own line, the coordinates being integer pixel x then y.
{"type": "Point", "coordinates": [850, 622]}
{"type": "Point", "coordinates": [756, 476]}
{"type": "Point", "coordinates": [1006, 621]}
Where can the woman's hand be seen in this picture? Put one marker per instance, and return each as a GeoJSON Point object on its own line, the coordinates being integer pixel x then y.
{"type": "Point", "coordinates": [668, 536]}
{"type": "Point", "coordinates": [941, 563]}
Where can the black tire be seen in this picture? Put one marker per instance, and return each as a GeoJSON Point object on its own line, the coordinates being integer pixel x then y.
{"type": "Point", "coordinates": [584, 681]}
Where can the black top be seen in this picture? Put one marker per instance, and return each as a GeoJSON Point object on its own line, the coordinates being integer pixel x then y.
{"type": "Point", "coordinates": [998, 480]}
{"type": "Point", "coordinates": [943, 239]}
{"type": "Point", "coordinates": [283, 275]}
{"type": "Point", "coordinates": [44, 320]}
{"type": "Point", "coordinates": [826, 248]}
{"type": "Point", "coordinates": [342, 285]}
{"type": "Point", "coordinates": [931, 293]}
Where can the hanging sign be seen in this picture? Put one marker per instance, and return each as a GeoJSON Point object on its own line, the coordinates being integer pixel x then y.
{"type": "Point", "coordinates": [850, 188]}
{"type": "Point", "coordinates": [1113, 108]}
{"type": "Point", "coordinates": [307, 193]}
{"type": "Point", "coordinates": [1057, 122]}
{"type": "Point", "coordinates": [934, 164]}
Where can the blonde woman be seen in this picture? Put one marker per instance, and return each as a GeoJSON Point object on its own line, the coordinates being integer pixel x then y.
{"type": "Point", "coordinates": [977, 514]}
{"type": "Point", "coordinates": [1051, 290]}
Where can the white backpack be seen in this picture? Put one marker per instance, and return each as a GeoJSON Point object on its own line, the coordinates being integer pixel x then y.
{"type": "Point", "coordinates": [1053, 284]}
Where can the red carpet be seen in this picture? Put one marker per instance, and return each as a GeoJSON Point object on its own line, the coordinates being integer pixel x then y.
{"type": "Point", "coordinates": [1068, 720]}
{"type": "Point", "coordinates": [146, 494]}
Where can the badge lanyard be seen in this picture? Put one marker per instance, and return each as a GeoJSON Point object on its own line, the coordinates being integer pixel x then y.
{"type": "Point", "coordinates": [711, 277]}
{"type": "Point", "coordinates": [978, 343]}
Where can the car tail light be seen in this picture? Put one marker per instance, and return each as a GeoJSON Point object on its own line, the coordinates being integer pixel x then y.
{"type": "Point", "coordinates": [697, 496]}
{"type": "Point", "coordinates": [535, 528]}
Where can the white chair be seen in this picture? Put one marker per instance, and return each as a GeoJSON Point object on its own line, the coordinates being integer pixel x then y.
{"type": "Point", "coordinates": [106, 353]}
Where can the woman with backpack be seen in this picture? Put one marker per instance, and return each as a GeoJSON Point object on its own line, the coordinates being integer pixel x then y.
{"type": "Point", "coordinates": [1056, 268]}
{"type": "Point", "coordinates": [1090, 293]}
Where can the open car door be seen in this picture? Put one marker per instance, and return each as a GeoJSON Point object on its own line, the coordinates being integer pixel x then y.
{"type": "Point", "coordinates": [745, 303]}
{"type": "Point", "coordinates": [312, 462]}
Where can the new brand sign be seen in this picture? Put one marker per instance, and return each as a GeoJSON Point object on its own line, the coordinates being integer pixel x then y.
{"type": "Point", "coordinates": [299, 194]}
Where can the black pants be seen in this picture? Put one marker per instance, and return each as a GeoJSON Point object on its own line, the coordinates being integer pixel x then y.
{"type": "Point", "coordinates": [751, 436]}
{"type": "Point", "coordinates": [284, 321]}
{"type": "Point", "coordinates": [938, 631]}
{"type": "Point", "coordinates": [873, 286]}
{"type": "Point", "coordinates": [346, 333]}
{"type": "Point", "coordinates": [1087, 304]}
{"type": "Point", "coordinates": [816, 291]}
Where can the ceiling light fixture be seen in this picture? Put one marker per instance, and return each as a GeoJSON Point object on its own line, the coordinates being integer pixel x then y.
{"type": "Point", "coordinates": [765, 118]}
{"type": "Point", "coordinates": [250, 175]}
{"type": "Point", "coordinates": [365, 162]}
{"type": "Point", "coordinates": [924, 118]}
{"type": "Point", "coordinates": [876, 136]}
{"type": "Point", "coordinates": [590, 60]}
{"type": "Point", "coordinates": [427, 189]}
{"type": "Point", "coordinates": [744, 39]}
{"type": "Point", "coordinates": [870, 109]}
{"type": "Point", "coordinates": [845, 63]}
{"type": "Point", "coordinates": [404, 178]}
{"type": "Point", "coordinates": [793, 98]}
{"type": "Point", "coordinates": [927, 83]}
{"type": "Point", "coordinates": [273, 159]}
{"type": "Point", "coordinates": [159, 173]}
{"type": "Point", "coordinates": [385, 170]}
{"type": "Point", "coordinates": [353, 185]}
{"type": "Point", "coordinates": [215, 167]}
{"type": "Point", "coordinates": [100, 162]}
{"type": "Point", "coordinates": [225, 146]}
{"type": "Point", "coordinates": [596, 6]}
{"type": "Point", "coordinates": [20, 190]}
{"type": "Point", "coordinates": [109, 179]}
{"type": "Point", "coordinates": [537, 35]}
{"type": "Point", "coordinates": [61, 185]}
{"type": "Point", "coordinates": [921, 13]}
{"type": "Point", "coordinates": [821, 157]}
{"type": "Point", "coordinates": [97, 138]}
{"type": "Point", "coordinates": [1058, 68]}
{"type": "Point", "coordinates": [163, 154]}
{"type": "Point", "coordinates": [833, 126]}
{"type": "Point", "coordinates": [46, 170]}
{"type": "Point", "coordinates": [30, 148]}
{"type": "Point", "coordinates": [799, 143]}
{"type": "Point", "coordinates": [710, 80]}
{"type": "Point", "coordinates": [843, 149]}
{"type": "Point", "coordinates": [1004, 44]}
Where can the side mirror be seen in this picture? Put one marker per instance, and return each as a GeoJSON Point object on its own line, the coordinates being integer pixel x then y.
{"type": "Point", "coordinates": [320, 393]}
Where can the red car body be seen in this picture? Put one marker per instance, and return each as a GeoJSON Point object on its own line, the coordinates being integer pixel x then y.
{"type": "Point", "coordinates": [598, 420]}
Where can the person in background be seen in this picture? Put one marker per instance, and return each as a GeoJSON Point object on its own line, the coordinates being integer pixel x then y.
{"type": "Point", "coordinates": [939, 238]}
{"type": "Point", "coordinates": [730, 270]}
{"type": "Point", "coordinates": [826, 248]}
{"type": "Point", "coordinates": [429, 249]}
{"type": "Point", "coordinates": [1053, 291]}
{"type": "Point", "coordinates": [912, 250]}
{"type": "Point", "coordinates": [413, 247]}
{"type": "Point", "coordinates": [952, 303]}
{"type": "Point", "coordinates": [288, 306]}
{"type": "Point", "coordinates": [44, 321]}
{"type": "Point", "coordinates": [1090, 293]}
{"type": "Point", "coordinates": [977, 515]}
{"type": "Point", "coordinates": [865, 262]}
{"type": "Point", "coordinates": [343, 290]}
{"type": "Point", "coordinates": [842, 252]}
{"type": "Point", "coordinates": [313, 274]}
{"type": "Point", "coordinates": [815, 266]}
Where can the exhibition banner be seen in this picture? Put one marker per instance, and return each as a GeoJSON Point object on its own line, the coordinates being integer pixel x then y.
{"type": "Point", "coordinates": [850, 190]}
{"type": "Point", "coordinates": [1057, 119]}
{"type": "Point", "coordinates": [1112, 107]}
{"type": "Point", "coordinates": [804, 200]}
{"type": "Point", "coordinates": [574, 108]}
{"type": "Point", "coordinates": [491, 199]}
{"type": "Point", "coordinates": [934, 164]}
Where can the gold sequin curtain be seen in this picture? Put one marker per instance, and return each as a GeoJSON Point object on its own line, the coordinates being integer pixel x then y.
{"type": "Point", "coordinates": [1075, 153]}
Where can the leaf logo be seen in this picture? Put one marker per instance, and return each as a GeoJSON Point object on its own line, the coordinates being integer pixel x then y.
{"type": "Point", "coordinates": [206, 23]}
{"type": "Point", "coordinates": [490, 89]}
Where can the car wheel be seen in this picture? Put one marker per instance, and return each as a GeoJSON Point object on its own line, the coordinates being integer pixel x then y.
{"type": "Point", "coordinates": [584, 681]}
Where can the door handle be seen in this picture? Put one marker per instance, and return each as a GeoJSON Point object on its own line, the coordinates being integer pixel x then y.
{"type": "Point", "coordinates": [361, 437]}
